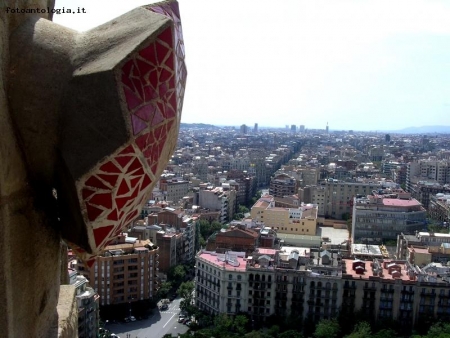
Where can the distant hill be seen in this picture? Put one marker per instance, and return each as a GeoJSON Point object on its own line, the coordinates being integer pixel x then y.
{"type": "Point", "coordinates": [424, 130]}
{"type": "Point", "coordinates": [197, 125]}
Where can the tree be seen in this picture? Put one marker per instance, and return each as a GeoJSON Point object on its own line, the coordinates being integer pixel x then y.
{"type": "Point", "coordinates": [239, 324]}
{"type": "Point", "coordinates": [177, 273]}
{"type": "Point", "coordinates": [327, 328]}
{"type": "Point", "coordinates": [222, 326]}
{"type": "Point", "coordinates": [164, 290]}
{"type": "Point", "coordinates": [361, 330]}
{"type": "Point", "coordinates": [290, 334]}
{"type": "Point", "coordinates": [385, 333]}
{"type": "Point", "coordinates": [185, 291]}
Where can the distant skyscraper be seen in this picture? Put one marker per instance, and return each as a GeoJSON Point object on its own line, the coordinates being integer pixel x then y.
{"type": "Point", "coordinates": [255, 129]}
{"type": "Point", "coordinates": [244, 129]}
{"type": "Point", "coordinates": [302, 128]}
{"type": "Point", "coordinates": [293, 128]}
{"type": "Point", "coordinates": [327, 130]}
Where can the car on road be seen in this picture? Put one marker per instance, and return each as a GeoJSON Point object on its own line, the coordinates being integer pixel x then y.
{"type": "Point", "coordinates": [164, 307]}
{"type": "Point", "coordinates": [133, 318]}
{"type": "Point", "coordinates": [181, 319]}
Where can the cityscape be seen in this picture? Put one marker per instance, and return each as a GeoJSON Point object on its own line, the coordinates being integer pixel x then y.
{"type": "Point", "coordinates": [272, 225]}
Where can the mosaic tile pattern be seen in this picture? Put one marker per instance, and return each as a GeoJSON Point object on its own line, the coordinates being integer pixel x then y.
{"type": "Point", "coordinates": [152, 84]}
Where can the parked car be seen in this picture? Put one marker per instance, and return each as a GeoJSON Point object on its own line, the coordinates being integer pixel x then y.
{"type": "Point", "coordinates": [164, 307]}
{"type": "Point", "coordinates": [181, 319]}
{"type": "Point", "coordinates": [127, 320]}
{"type": "Point", "coordinates": [133, 318]}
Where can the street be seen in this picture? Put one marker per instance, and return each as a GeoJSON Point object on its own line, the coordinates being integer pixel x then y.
{"type": "Point", "coordinates": [159, 324]}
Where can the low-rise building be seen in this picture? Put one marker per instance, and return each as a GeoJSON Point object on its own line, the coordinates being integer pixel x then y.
{"type": "Point", "coordinates": [300, 221]}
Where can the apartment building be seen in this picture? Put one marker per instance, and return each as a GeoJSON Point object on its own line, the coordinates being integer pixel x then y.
{"type": "Point", "coordinates": [88, 305]}
{"type": "Point", "coordinates": [424, 190]}
{"type": "Point", "coordinates": [439, 208]}
{"type": "Point", "coordinates": [282, 185]}
{"type": "Point", "coordinates": [315, 286]}
{"type": "Point", "coordinates": [124, 272]}
{"type": "Point", "coordinates": [382, 217]}
{"type": "Point", "coordinates": [173, 189]}
{"type": "Point", "coordinates": [434, 171]}
{"type": "Point", "coordinates": [218, 199]}
{"type": "Point", "coordinates": [300, 221]}
{"type": "Point", "coordinates": [338, 196]}
{"type": "Point", "coordinates": [266, 283]}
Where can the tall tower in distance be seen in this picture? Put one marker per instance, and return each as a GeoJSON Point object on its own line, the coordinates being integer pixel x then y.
{"type": "Point", "coordinates": [293, 128]}
{"type": "Point", "coordinates": [302, 128]}
{"type": "Point", "coordinates": [326, 129]}
{"type": "Point", "coordinates": [244, 129]}
{"type": "Point", "coordinates": [255, 128]}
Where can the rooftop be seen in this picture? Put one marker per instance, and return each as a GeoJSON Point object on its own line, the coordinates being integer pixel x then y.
{"type": "Point", "coordinates": [223, 261]}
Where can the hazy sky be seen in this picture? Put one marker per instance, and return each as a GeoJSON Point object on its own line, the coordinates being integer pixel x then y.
{"type": "Point", "coordinates": [362, 65]}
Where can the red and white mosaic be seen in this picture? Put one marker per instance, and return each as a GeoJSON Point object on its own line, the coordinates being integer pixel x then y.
{"type": "Point", "coordinates": [152, 85]}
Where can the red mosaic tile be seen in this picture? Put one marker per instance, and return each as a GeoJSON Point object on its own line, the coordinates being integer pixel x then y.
{"type": "Point", "coordinates": [138, 172]}
{"type": "Point", "coordinates": [149, 54]}
{"type": "Point", "coordinates": [132, 100]}
{"type": "Point", "coordinates": [144, 67]}
{"type": "Point", "coordinates": [86, 193]}
{"type": "Point", "coordinates": [131, 216]}
{"type": "Point", "coordinates": [150, 92]}
{"type": "Point", "coordinates": [153, 79]}
{"type": "Point", "coordinates": [123, 160]}
{"type": "Point", "coordinates": [101, 233]}
{"type": "Point", "coordinates": [146, 112]}
{"type": "Point", "coordinates": [123, 188]}
{"type": "Point", "coordinates": [139, 88]}
{"type": "Point", "coordinates": [161, 52]}
{"type": "Point", "coordinates": [134, 193]}
{"type": "Point", "coordinates": [157, 118]}
{"type": "Point", "coordinates": [111, 179]}
{"type": "Point", "coordinates": [165, 75]}
{"type": "Point", "coordinates": [154, 167]}
{"type": "Point", "coordinates": [113, 215]}
{"type": "Point", "coordinates": [121, 202]}
{"type": "Point", "coordinates": [134, 181]}
{"type": "Point", "coordinates": [92, 212]}
{"type": "Point", "coordinates": [145, 182]}
{"type": "Point", "coordinates": [126, 81]}
{"type": "Point", "coordinates": [127, 150]}
{"type": "Point", "coordinates": [96, 183]}
{"type": "Point", "coordinates": [138, 124]}
{"type": "Point", "coordinates": [109, 167]}
{"type": "Point", "coordinates": [166, 36]}
{"type": "Point", "coordinates": [170, 62]}
{"type": "Point", "coordinates": [135, 165]}
{"type": "Point", "coordinates": [142, 141]}
{"type": "Point", "coordinates": [104, 200]}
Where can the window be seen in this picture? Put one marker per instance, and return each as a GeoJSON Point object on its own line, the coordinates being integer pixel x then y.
{"type": "Point", "coordinates": [239, 277]}
{"type": "Point", "coordinates": [230, 276]}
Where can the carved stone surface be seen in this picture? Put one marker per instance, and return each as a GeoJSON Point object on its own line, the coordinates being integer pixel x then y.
{"type": "Point", "coordinates": [107, 116]}
{"type": "Point", "coordinates": [67, 110]}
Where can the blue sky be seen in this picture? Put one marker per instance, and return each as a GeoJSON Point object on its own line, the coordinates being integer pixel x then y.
{"type": "Point", "coordinates": [362, 65]}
